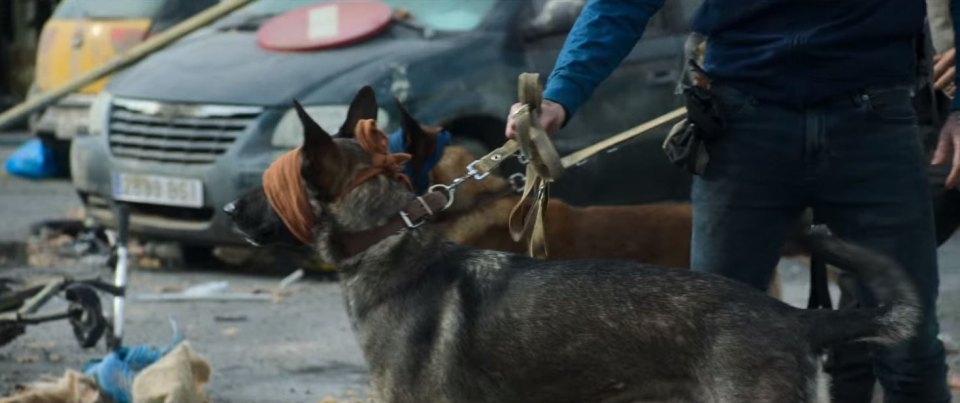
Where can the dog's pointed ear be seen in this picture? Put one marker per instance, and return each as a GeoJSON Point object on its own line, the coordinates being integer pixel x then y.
{"type": "Point", "coordinates": [364, 106]}
{"type": "Point", "coordinates": [418, 143]}
{"type": "Point", "coordinates": [313, 134]}
{"type": "Point", "coordinates": [321, 162]}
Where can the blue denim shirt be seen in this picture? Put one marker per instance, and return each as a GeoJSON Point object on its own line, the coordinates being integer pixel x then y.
{"type": "Point", "coordinates": [788, 51]}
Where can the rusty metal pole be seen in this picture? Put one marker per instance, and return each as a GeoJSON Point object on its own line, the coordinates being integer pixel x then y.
{"type": "Point", "coordinates": [133, 55]}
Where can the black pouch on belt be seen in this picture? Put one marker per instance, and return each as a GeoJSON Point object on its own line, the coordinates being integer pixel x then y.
{"type": "Point", "coordinates": [684, 146]}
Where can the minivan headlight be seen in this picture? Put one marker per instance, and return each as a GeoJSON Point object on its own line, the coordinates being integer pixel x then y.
{"type": "Point", "coordinates": [289, 131]}
{"type": "Point", "coordinates": [99, 114]}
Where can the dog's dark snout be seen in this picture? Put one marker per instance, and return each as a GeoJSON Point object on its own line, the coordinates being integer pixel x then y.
{"type": "Point", "coordinates": [230, 208]}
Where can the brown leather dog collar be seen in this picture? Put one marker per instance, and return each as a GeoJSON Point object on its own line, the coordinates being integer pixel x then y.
{"type": "Point", "coordinates": [414, 214]}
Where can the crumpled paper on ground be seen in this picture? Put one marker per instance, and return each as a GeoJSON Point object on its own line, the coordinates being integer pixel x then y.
{"type": "Point", "coordinates": [73, 387]}
{"type": "Point", "coordinates": [178, 377]}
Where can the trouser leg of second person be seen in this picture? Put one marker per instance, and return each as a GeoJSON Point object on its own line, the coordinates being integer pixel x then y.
{"type": "Point", "coordinates": [871, 188]}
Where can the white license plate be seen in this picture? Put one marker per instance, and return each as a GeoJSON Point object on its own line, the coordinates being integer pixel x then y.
{"type": "Point", "coordinates": [154, 189]}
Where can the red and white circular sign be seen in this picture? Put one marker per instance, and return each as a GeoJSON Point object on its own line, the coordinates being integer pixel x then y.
{"type": "Point", "coordinates": [324, 25]}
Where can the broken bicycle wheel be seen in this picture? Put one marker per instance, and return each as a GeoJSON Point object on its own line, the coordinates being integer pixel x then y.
{"type": "Point", "coordinates": [86, 314]}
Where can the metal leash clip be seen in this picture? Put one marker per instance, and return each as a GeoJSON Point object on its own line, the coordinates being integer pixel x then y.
{"type": "Point", "coordinates": [517, 181]}
{"type": "Point", "coordinates": [450, 190]}
{"type": "Point", "coordinates": [473, 172]}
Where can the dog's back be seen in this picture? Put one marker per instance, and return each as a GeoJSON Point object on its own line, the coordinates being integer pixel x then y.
{"type": "Point", "coordinates": [504, 327]}
{"type": "Point", "coordinates": [651, 233]}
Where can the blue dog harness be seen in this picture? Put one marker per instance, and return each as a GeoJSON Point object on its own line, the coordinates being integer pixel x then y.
{"type": "Point", "coordinates": [422, 182]}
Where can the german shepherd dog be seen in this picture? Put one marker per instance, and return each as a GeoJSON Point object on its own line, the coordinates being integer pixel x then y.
{"type": "Point", "coordinates": [441, 322]}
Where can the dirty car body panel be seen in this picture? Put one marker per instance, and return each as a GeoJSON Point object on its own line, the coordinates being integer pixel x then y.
{"type": "Point", "coordinates": [152, 125]}
{"type": "Point", "coordinates": [82, 35]}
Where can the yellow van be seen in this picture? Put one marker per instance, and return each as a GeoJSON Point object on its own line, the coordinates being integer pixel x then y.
{"type": "Point", "coordinates": [82, 35]}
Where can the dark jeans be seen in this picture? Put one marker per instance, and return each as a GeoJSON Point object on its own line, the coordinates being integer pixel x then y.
{"type": "Point", "coordinates": [858, 163]}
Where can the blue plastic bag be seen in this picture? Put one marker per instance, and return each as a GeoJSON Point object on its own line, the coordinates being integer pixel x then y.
{"type": "Point", "coordinates": [33, 160]}
{"type": "Point", "coordinates": [115, 372]}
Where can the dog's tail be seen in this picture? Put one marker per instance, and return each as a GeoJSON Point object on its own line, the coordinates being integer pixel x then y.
{"type": "Point", "coordinates": [898, 309]}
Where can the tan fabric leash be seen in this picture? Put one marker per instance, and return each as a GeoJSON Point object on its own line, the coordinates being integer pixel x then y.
{"type": "Point", "coordinates": [528, 218]}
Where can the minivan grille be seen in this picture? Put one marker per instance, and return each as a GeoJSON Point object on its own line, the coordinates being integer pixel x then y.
{"type": "Point", "coordinates": [175, 133]}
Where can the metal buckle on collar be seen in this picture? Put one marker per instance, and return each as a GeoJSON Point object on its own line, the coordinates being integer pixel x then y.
{"type": "Point", "coordinates": [409, 223]}
{"type": "Point", "coordinates": [406, 217]}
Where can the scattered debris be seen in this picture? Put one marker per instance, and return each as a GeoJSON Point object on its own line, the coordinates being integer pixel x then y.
{"type": "Point", "coordinates": [72, 387]}
{"type": "Point", "coordinates": [234, 256]}
{"type": "Point", "coordinates": [230, 318]}
{"type": "Point", "coordinates": [292, 278]}
{"type": "Point", "coordinates": [277, 296]}
{"type": "Point", "coordinates": [180, 376]}
{"type": "Point", "coordinates": [161, 255]}
{"type": "Point", "coordinates": [180, 297]}
{"type": "Point", "coordinates": [67, 242]}
{"type": "Point", "coordinates": [45, 347]}
{"type": "Point", "coordinates": [75, 213]}
{"type": "Point", "coordinates": [208, 288]}
{"type": "Point", "coordinates": [332, 399]}
{"type": "Point", "coordinates": [209, 291]}
{"type": "Point", "coordinates": [116, 372]}
{"type": "Point", "coordinates": [284, 288]}
{"type": "Point", "coordinates": [217, 291]}
{"type": "Point", "coordinates": [41, 345]}
{"type": "Point", "coordinates": [170, 289]}
{"type": "Point", "coordinates": [347, 397]}
{"type": "Point", "coordinates": [149, 262]}
{"type": "Point", "coordinates": [28, 359]}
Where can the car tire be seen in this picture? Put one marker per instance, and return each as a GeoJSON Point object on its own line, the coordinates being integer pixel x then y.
{"type": "Point", "coordinates": [196, 254]}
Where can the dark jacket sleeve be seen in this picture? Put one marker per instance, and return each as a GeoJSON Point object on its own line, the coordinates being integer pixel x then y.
{"type": "Point", "coordinates": [603, 35]}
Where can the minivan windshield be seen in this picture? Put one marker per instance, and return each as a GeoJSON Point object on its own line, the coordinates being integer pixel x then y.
{"type": "Point", "coordinates": [441, 15]}
{"type": "Point", "coordinates": [109, 9]}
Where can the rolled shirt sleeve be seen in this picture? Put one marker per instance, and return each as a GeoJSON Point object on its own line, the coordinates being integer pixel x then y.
{"type": "Point", "coordinates": [603, 35]}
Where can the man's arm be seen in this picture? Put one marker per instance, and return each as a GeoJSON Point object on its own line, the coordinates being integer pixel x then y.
{"type": "Point", "coordinates": [948, 148]}
{"type": "Point", "coordinates": [603, 35]}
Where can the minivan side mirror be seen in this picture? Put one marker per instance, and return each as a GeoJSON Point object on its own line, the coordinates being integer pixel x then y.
{"type": "Point", "coordinates": [555, 17]}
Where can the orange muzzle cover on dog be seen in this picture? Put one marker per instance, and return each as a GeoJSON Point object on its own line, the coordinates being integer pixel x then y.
{"type": "Point", "coordinates": [285, 189]}
{"type": "Point", "coordinates": [286, 194]}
